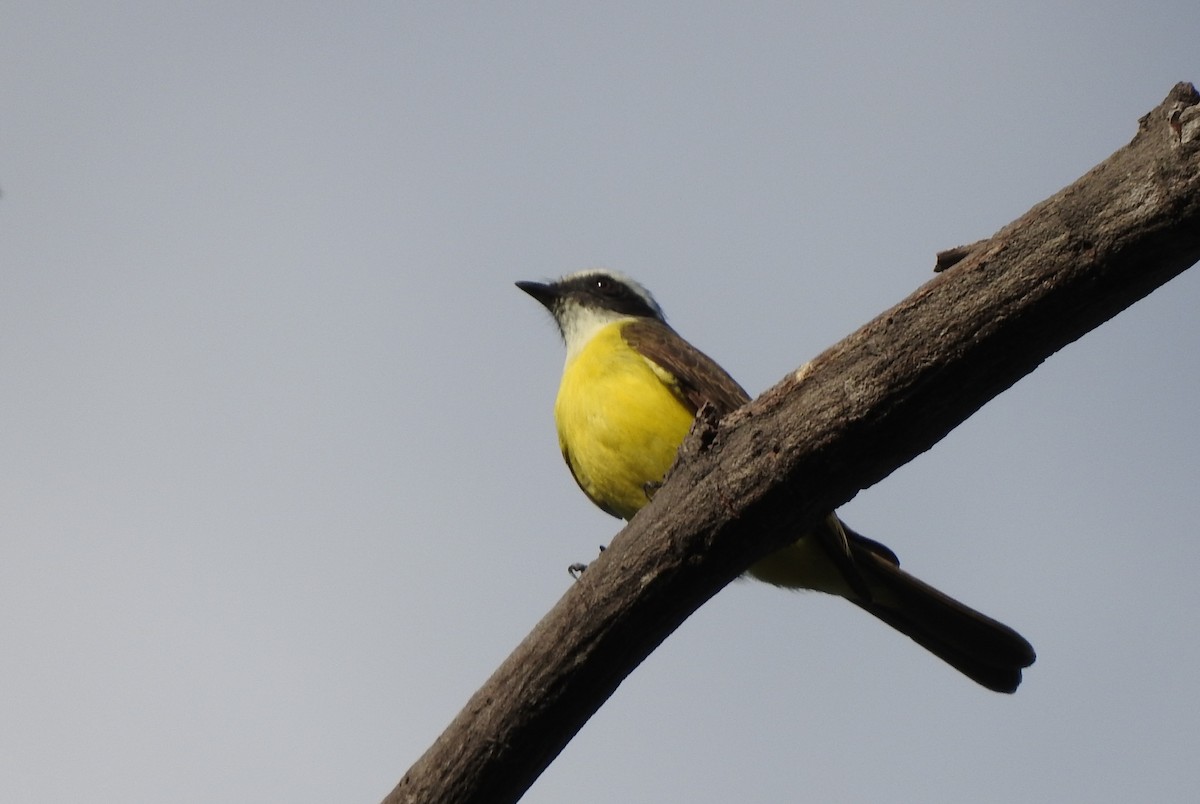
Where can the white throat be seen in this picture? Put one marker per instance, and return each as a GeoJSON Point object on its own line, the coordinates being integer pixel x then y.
{"type": "Point", "coordinates": [579, 324]}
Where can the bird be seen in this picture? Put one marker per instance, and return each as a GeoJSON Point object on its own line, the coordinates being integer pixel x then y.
{"type": "Point", "coordinates": [630, 389]}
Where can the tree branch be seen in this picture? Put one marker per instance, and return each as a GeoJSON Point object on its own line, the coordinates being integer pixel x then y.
{"type": "Point", "coordinates": [745, 486]}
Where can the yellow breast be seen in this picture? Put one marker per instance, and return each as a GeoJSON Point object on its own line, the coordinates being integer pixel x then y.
{"type": "Point", "coordinates": [619, 423]}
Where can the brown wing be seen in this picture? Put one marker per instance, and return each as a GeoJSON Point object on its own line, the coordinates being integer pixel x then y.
{"type": "Point", "coordinates": [698, 378]}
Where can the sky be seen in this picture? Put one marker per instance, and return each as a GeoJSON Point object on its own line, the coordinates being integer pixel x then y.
{"type": "Point", "coordinates": [279, 485]}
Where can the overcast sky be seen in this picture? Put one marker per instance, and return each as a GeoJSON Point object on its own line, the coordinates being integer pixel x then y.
{"type": "Point", "coordinates": [279, 485]}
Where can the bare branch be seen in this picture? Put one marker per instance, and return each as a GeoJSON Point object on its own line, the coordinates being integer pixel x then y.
{"type": "Point", "coordinates": [745, 486]}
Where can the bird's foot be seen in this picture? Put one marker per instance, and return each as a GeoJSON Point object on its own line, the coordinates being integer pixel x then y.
{"type": "Point", "coordinates": [576, 569]}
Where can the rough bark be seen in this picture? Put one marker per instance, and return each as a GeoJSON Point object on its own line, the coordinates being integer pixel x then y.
{"type": "Point", "coordinates": [745, 485]}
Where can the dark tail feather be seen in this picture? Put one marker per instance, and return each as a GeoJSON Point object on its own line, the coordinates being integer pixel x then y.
{"type": "Point", "coordinates": [985, 650]}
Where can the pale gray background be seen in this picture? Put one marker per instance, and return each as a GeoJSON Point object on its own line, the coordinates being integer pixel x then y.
{"type": "Point", "coordinates": [278, 482]}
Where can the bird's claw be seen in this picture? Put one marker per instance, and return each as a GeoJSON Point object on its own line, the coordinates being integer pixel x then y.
{"type": "Point", "coordinates": [576, 569]}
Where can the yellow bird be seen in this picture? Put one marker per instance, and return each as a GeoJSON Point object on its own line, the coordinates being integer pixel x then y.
{"type": "Point", "coordinates": [630, 389]}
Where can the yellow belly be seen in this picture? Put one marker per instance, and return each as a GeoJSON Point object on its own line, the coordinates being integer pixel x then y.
{"type": "Point", "coordinates": [619, 423]}
{"type": "Point", "coordinates": [620, 426]}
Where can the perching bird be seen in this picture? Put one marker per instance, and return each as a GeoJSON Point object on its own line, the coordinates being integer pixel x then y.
{"type": "Point", "coordinates": [631, 387]}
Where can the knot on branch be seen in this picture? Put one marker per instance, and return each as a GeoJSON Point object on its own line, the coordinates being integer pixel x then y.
{"type": "Point", "coordinates": [704, 428]}
{"type": "Point", "coordinates": [1180, 110]}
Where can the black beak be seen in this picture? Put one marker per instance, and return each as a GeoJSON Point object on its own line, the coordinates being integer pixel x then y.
{"type": "Point", "coordinates": [546, 294]}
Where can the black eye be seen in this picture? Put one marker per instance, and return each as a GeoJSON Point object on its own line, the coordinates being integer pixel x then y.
{"type": "Point", "coordinates": [605, 286]}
